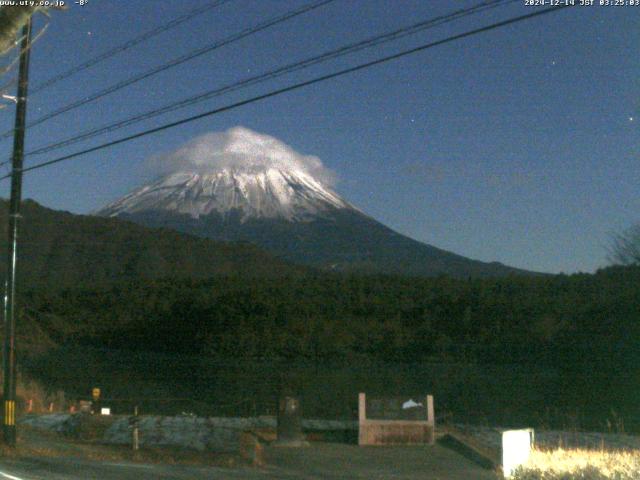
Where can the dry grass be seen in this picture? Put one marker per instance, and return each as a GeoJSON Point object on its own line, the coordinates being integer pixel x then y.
{"type": "Point", "coordinates": [560, 464]}
{"type": "Point", "coordinates": [32, 397]}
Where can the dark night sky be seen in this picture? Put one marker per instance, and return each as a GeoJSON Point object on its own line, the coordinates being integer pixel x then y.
{"type": "Point", "coordinates": [519, 145]}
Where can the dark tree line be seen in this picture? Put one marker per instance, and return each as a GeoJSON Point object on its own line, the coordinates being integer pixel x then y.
{"type": "Point", "coordinates": [574, 340]}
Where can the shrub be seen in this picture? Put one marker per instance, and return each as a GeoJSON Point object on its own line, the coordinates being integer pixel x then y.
{"type": "Point", "coordinates": [563, 464]}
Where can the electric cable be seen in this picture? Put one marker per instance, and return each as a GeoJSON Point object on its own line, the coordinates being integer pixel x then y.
{"type": "Point", "coordinates": [127, 45]}
{"type": "Point", "coordinates": [296, 86]}
{"type": "Point", "coordinates": [175, 62]}
{"type": "Point", "coordinates": [290, 68]}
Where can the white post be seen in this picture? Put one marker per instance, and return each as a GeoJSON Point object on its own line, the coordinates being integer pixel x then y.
{"type": "Point", "coordinates": [362, 407]}
{"type": "Point", "coordinates": [135, 440]}
{"type": "Point", "coordinates": [431, 419]}
{"type": "Point", "coordinates": [362, 419]}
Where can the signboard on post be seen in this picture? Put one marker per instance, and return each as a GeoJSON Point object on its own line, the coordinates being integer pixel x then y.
{"type": "Point", "coordinates": [396, 421]}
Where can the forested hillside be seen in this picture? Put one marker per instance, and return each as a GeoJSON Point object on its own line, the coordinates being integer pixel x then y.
{"type": "Point", "coordinates": [59, 249]}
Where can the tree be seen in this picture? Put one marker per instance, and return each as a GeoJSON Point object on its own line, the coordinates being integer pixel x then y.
{"type": "Point", "coordinates": [12, 19]}
{"type": "Point", "coordinates": [625, 247]}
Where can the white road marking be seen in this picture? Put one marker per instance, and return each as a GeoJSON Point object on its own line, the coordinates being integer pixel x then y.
{"type": "Point", "coordinates": [129, 465]}
{"type": "Point", "coordinates": [10, 477]}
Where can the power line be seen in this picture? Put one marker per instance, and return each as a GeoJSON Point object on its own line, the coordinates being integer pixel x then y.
{"type": "Point", "coordinates": [295, 86]}
{"type": "Point", "coordinates": [175, 62]}
{"type": "Point", "coordinates": [290, 68]}
{"type": "Point", "coordinates": [128, 45]}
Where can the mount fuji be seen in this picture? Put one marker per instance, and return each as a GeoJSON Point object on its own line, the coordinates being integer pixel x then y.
{"type": "Point", "coordinates": [240, 185]}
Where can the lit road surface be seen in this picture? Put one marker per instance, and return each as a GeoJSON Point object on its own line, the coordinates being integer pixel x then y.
{"type": "Point", "coordinates": [73, 469]}
{"type": "Point", "coordinates": [319, 461]}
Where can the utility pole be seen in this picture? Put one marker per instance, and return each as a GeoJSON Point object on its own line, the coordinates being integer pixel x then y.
{"type": "Point", "coordinates": [9, 352]}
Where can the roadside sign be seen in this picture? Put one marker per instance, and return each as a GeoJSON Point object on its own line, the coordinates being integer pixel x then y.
{"type": "Point", "coordinates": [516, 449]}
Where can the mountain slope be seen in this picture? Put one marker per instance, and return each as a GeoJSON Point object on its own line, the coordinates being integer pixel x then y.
{"type": "Point", "coordinates": [61, 249]}
{"type": "Point", "coordinates": [242, 185]}
{"type": "Point", "coordinates": [343, 240]}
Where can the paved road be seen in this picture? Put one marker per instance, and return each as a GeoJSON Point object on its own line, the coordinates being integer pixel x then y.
{"type": "Point", "coordinates": [320, 461]}
{"type": "Point", "coordinates": [70, 469]}
{"type": "Point", "coordinates": [336, 461]}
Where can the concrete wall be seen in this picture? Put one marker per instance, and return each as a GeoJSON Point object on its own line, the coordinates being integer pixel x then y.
{"type": "Point", "coordinates": [219, 434]}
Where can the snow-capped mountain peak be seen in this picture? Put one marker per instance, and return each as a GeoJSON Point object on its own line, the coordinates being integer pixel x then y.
{"type": "Point", "coordinates": [239, 170]}
{"type": "Point", "coordinates": [270, 193]}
